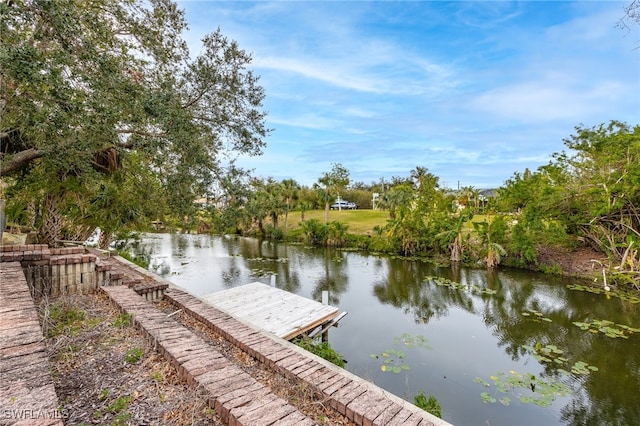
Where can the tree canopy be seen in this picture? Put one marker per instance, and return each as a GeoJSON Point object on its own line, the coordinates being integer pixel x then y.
{"type": "Point", "coordinates": [102, 97]}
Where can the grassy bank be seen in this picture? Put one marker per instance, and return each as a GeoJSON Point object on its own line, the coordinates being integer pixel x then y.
{"type": "Point", "coordinates": [359, 221]}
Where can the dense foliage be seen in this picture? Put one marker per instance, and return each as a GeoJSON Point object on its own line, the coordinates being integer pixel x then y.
{"type": "Point", "coordinates": [586, 196]}
{"type": "Point", "coordinates": [107, 120]}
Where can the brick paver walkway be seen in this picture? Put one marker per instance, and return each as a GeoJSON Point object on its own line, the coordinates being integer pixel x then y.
{"type": "Point", "coordinates": [27, 393]}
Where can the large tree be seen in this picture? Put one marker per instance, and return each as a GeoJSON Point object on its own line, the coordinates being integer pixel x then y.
{"type": "Point", "coordinates": [97, 90]}
{"type": "Point", "coordinates": [591, 191]}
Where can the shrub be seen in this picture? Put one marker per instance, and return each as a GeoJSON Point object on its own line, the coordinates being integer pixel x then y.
{"type": "Point", "coordinates": [430, 405]}
{"type": "Point", "coordinates": [316, 233]}
{"type": "Point", "coordinates": [322, 349]}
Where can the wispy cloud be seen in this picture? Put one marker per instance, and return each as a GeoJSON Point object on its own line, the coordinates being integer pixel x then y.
{"type": "Point", "coordinates": [474, 91]}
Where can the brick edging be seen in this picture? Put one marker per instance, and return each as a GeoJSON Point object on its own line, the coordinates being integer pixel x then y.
{"type": "Point", "coordinates": [237, 397]}
{"type": "Point", "coordinates": [359, 400]}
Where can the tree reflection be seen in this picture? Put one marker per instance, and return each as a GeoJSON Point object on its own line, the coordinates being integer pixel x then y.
{"type": "Point", "coordinates": [607, 396]}
{"type": "Point", "coordinates": [404, 287]}
{"type": "Point", "coordinates": [335, 279]}
{"type": "Point", "coordinates": [602, 397]}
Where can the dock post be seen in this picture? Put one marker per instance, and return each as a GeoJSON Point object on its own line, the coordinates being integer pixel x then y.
{"type": "Point", "coordinates": [273, 280]}
{"type": "Point", "coordinates": [325, 301]}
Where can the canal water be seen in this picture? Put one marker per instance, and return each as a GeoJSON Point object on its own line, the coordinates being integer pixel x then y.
{"type": "Point", "coordinates": [495, 348]}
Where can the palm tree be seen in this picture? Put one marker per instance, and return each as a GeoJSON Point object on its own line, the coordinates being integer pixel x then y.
{"type": "Point", "coordinates": [494, 250]}
{"type": "Point", "coordinates": [289, 188]}
{"type": "Point", "coordinates": [455, 237]}
{"type": "Point", "coordinates": [398, 197]}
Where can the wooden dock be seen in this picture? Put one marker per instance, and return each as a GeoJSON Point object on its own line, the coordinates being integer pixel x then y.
{"type": "Point", "coordinates": [279, 312]}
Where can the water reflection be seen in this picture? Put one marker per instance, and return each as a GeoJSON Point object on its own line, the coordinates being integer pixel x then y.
{"type": "Point", "coordinates": [334, 278]}
{"type": "Point", "coordinates": [472, 332]}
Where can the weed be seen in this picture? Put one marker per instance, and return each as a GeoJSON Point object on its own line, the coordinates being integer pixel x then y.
{"type": "Point", "coordinates": [98, 415]}
{"type": "Point", "coordinates": [123, 320]}
{"type": "Point", "coordinates": [208, 411]}
{"type": "Point", "coordinates": [104, 394]}
{"type": "Point", "coordinates": [64, 319]}
{"type": "Point", "coordinates": [322, 349]}
{"type": "Point", "coordinates": [134, 355]}
{"type": "Point", "coordinates": [138, 259]}
{"type": "Point", "coordinates": [430, 404]}
{"type": "Point", "coordinates": [157, 376]}
{"type": "Point", "coordinates": [554, 269]}
{"type": "Point", "coordinates": [120, 404]}
{"type": "Point", "coordinates": [121, 419]}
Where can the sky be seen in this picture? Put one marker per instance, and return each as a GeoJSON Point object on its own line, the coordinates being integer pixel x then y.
{"type": "Point", "coordinates": [473, 91]}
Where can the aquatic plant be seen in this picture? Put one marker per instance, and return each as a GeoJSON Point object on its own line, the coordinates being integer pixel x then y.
{"type": "Point", "coordinates": [535, 316]}
{"type": "Point", "coordinates": [527, 388]}
{"type": "Point", "coordinates": [412, 342]}
{"type": "Point", "coordinates": [610, 293]}
{"type": "Point", "coordinates": [551, 354]}
{"type": "Point", "coordinates": [445, 282]}
{"type": "Point", "coordinates": [608, 328]}
{"type": "Point", "coordinates": [393, 360]}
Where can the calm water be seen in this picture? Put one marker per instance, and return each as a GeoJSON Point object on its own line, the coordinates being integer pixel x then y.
{"type": "Point", "coordinates": [470, 333]}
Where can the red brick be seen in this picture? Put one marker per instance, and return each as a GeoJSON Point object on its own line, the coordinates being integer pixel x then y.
{"type": "Point", "coordinates": [399, 418]}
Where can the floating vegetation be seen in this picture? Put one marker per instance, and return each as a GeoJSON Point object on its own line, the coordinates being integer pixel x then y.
{"type": "Point", "coordinates": [409, 341]}
{"type": "Point", "coordinates": [582, 367]}
{"type": "Point", "coordinates": [260, 273]}
{"type": "Point", "coordinates": [547, 353]}
{"type": "Point", "coordinates": [608, 328]}
{"type": "Point", "coordinates": [551, 354]}
{"type": "Point", "coordinates": [445, 282]}
{"type": "Point", "coordinates": [597, 290]}
{"type": "Point", "coordinates": [535, 316]}
{"type": "Point", "coordinates": [527, 388]}
{"type": "Point", "coordinates": [268, 259]}
{"type": "Point", "coordinates": [393, 360]}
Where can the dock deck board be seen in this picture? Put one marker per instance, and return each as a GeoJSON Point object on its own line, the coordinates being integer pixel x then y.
{"type": "Point", "coordinates": [277, 311]}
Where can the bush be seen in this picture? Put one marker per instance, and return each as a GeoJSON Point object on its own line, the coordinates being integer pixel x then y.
{"type": "Point", "coordinates": [430, 405]}
{"type": "Point", "coordinates": [316, 233]}
{"type": "Point", "coordinates": [276, 234]}
{"type": "Point", "coordinates": [322, 349]}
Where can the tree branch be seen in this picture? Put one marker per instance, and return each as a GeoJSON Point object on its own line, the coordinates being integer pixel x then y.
{"type": "Point", "coordinates": [18, 161]}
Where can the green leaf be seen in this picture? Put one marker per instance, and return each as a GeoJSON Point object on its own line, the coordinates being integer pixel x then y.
{"type": "Point", "coordinates": [505, 400]}
{"type": "Point", "coordinates": [486, 398]}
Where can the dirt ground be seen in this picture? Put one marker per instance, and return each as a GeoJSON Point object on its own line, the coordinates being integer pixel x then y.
{"type": "Point", "coordinates": [580, 262]}
{"type": "Point", "coordinates": [106, 373]}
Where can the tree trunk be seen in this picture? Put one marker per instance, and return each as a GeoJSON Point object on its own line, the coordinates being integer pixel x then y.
{"type": "Point", "coordinates": [52, 222]}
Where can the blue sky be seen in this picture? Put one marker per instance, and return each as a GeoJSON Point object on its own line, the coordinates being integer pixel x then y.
{"type": "Point", "coordinates": [473, 91]}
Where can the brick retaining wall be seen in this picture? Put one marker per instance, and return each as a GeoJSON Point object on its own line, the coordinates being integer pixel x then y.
{"type": "Point", "coordinates": [236, 396]}
{"type": "Point", "coordinates": [361, 401]}
{"type": "Point", "coordinates": [77, 270]}
{"type": "Point", "coordinates": [56, 271]}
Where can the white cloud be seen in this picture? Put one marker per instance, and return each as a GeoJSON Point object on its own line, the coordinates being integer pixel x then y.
{"type": "Point", "coordinates": [473, 91]}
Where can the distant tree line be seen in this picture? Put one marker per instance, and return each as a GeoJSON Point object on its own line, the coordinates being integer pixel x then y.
{"type": "Point", "coordinates": [586, 196]}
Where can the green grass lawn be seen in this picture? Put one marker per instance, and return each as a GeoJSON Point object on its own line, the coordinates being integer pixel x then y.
{"type": "Point", "coordinates": [359, 221]}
